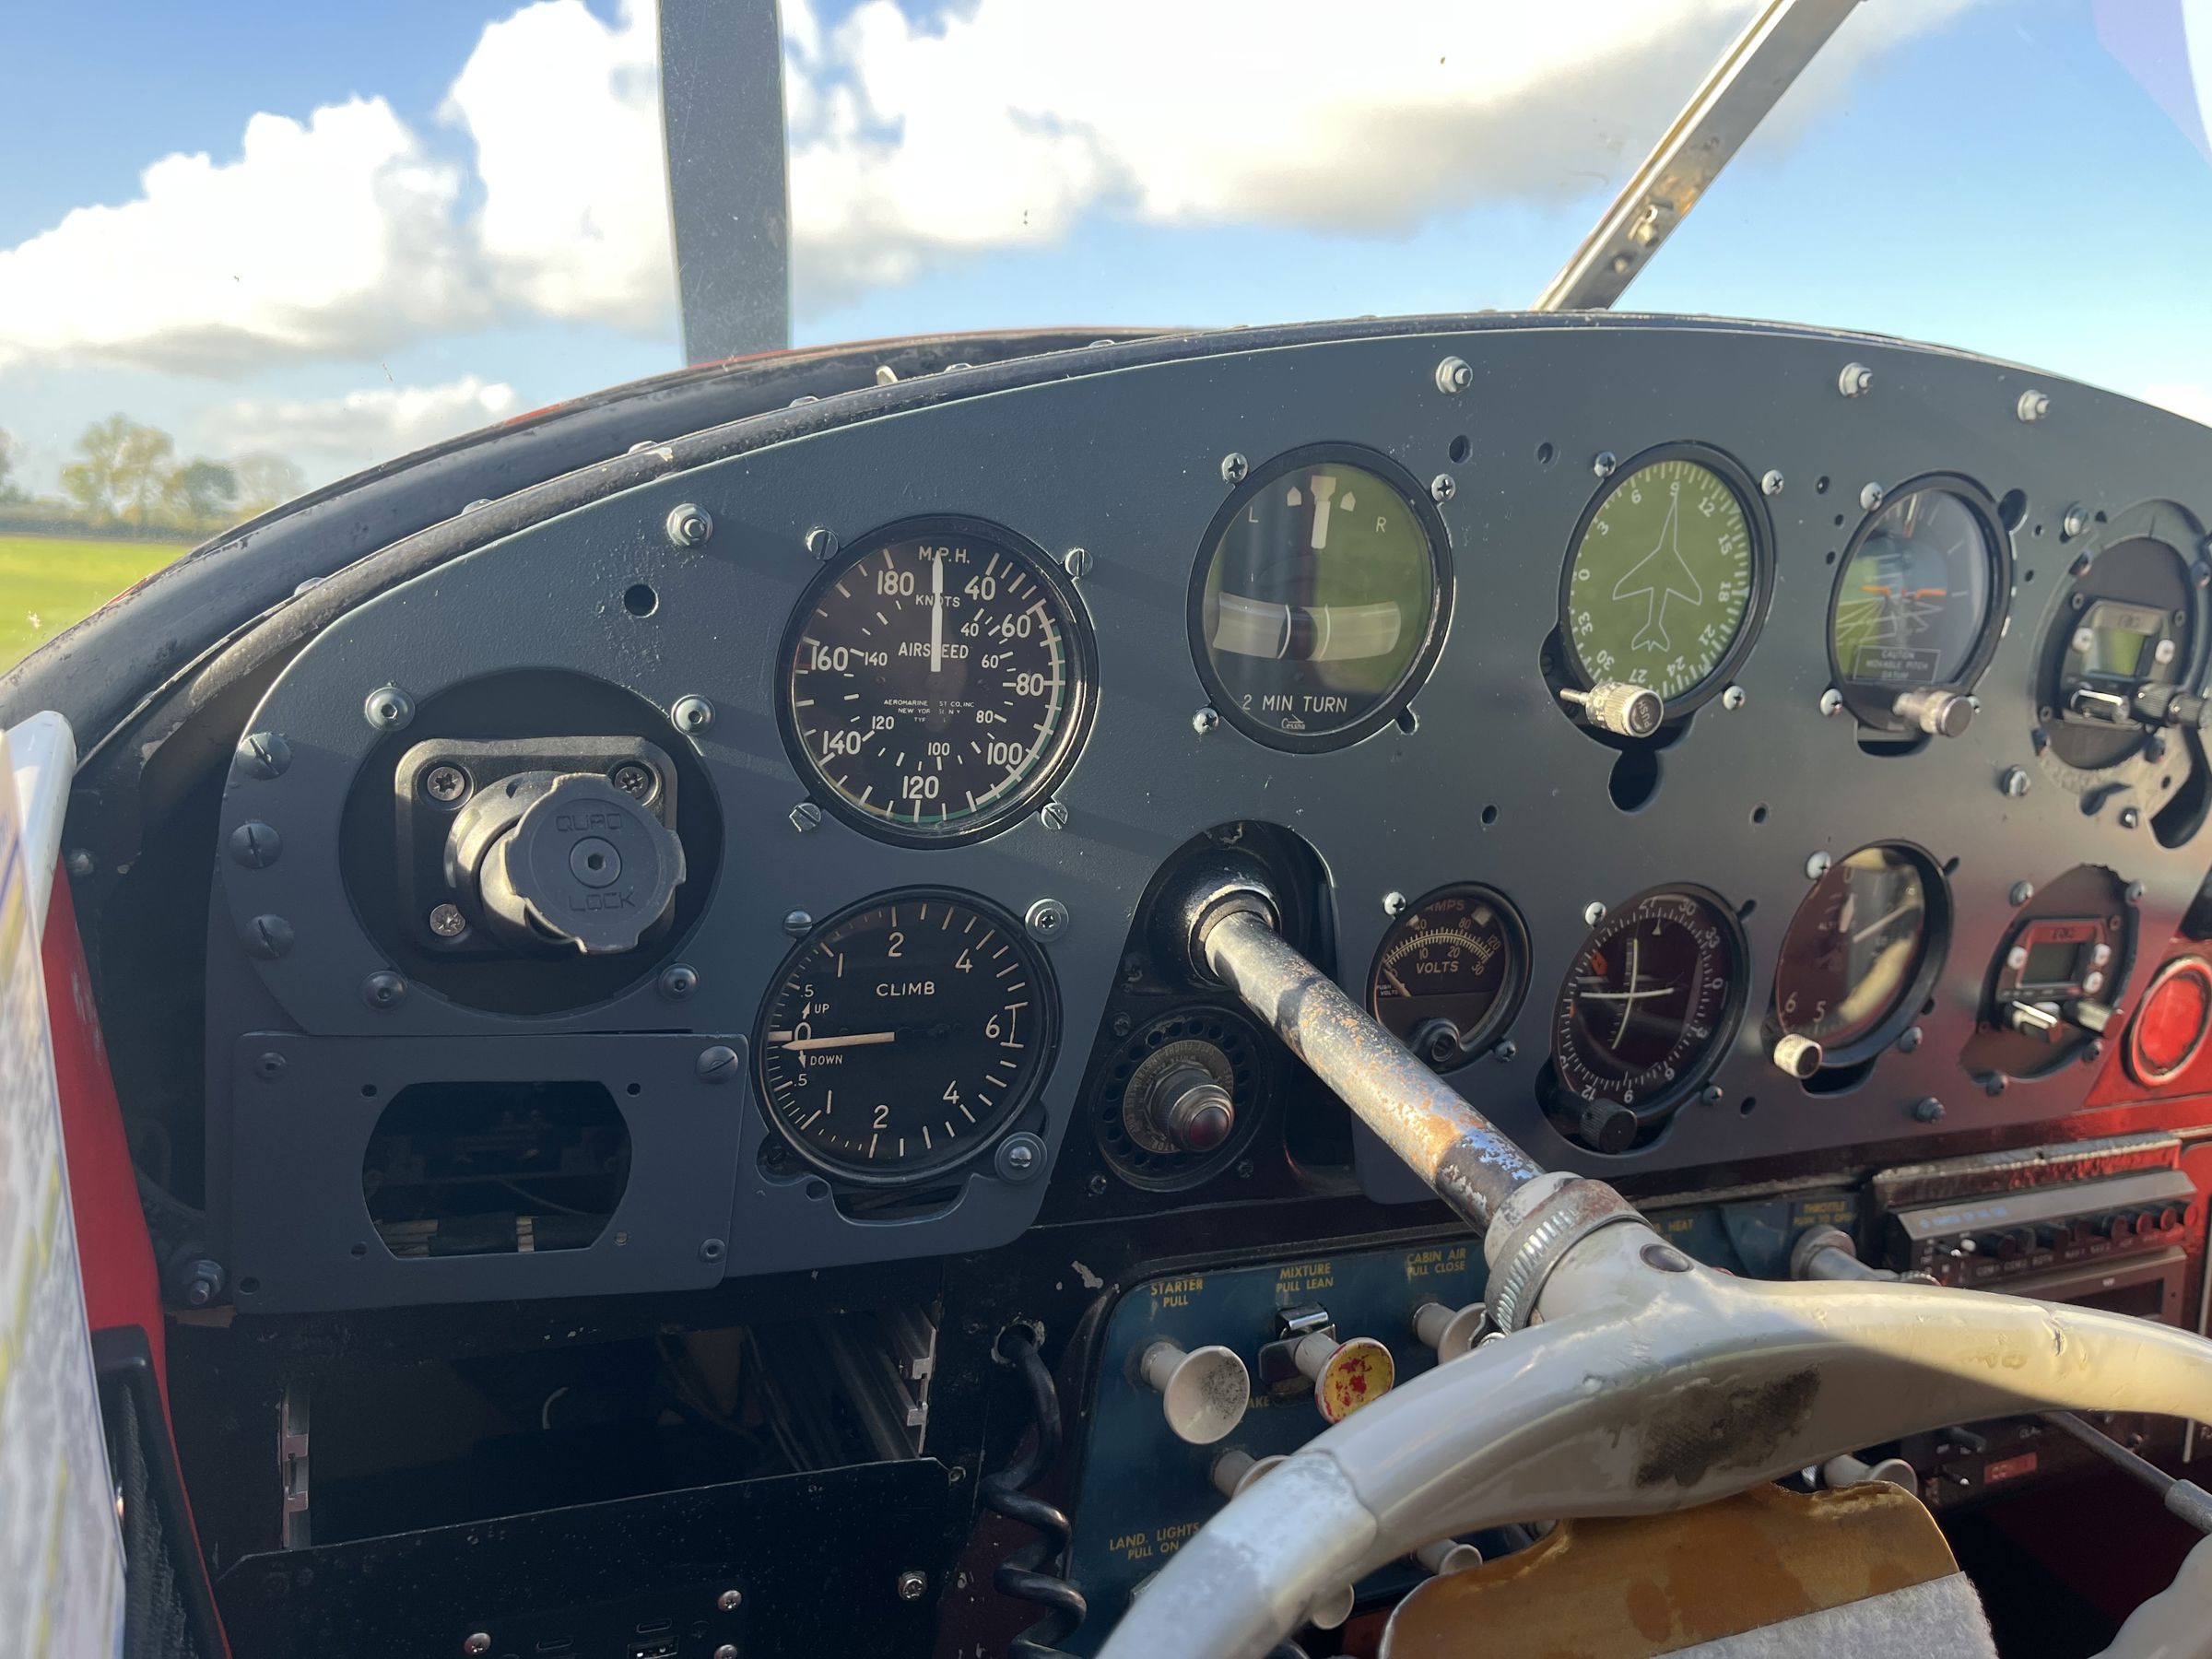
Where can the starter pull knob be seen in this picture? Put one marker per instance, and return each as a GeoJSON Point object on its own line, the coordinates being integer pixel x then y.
{"type": "Point", "coordinates": [1450, 1331]}
{"type": "Point", "coordinates": [1204, 1393]}
{"type": "Point", "coordinates": [1619, 706]}
{"type": "Point", "coordinates": [1346, 1376]}
{"type": "Point", "coordinates": [1938, 713]}
{"type": "Point", "coordinates": [1796, 1057]}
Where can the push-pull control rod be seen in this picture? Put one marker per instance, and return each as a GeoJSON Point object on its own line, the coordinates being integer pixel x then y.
{"type": "Point", "coordinates": [1229, 920]}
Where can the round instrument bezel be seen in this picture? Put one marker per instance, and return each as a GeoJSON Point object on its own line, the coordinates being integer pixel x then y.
{"type": "Point", "coordinates": [2138, 1067]}
{"type": "Point", "coordinates": [1510, 1000]}
{"type": "Point", "coordinates": [1927, 969]}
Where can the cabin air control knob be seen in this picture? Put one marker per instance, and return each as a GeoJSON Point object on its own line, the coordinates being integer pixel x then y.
{"type": "Point", "coordinates": [1181, 1099]}
{"type": "Point", "coordinates": [1204, 1393]}
{"type": "Point", "coordinates": [1452, 1332]}
{"type": "Point", "coordinates": [564, 861]}
{"type": "Point", "coordinates": [1617, 706]}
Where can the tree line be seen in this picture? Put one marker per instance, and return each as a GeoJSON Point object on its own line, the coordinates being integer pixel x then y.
{"type": "Point", "coordinates": [127, 473]}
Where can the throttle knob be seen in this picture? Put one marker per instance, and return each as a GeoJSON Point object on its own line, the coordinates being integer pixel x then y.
{"type": "Point", "coordinates": [1181, 1099]}
{"type": "Point", "coordinates": [565, 861]}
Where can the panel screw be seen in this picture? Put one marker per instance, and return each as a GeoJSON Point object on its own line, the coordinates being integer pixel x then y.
{"type": "Point", "coordinates": [1020, 1156]}
{"type": "Point", "coordinates": [388, 708]}
{"type": "Point", "coordinates": [263, 754]}
{"type": "Point", "coordinates": [1928, 1109]}
{"type": "Point", "coordinates": [2076, 522]}
{"type": "Point", "coordinates": [384, 990]}
{"type": "Point", "coordinates": [79, 862]}
{"type": "Point", "coordinates": [691, 713]}
{"type": "Point", "coordinates": [1871, 496]}
{"type": "Point", "coordinates": [1770, 484]}
{"type": "Point", "coordinates": [1096, 1186]}
{"type": "Point", "coordinates": [690, 524]}
{"type": "Point", "coordinates": [1052, 815]}
{"type": "Point", "coordinates": [1817, 866]}
{"type": "Point", "coordinates": [1909, 1040]}
{"type": "Point", "coordinates": [267, 937]}
{"type": "Point", "coordinates": [677, 981]}
{"type": "Point", "coordinates": [1393, 904]}
{"type": "Point", "coordinates": [821, 544]}
{"type": "Point", "coordinates": [1831, 702]}
{"type": "Point", "coordinates": [1121, 1026]}
{"type": "Point", "coordinates": [716, 1064]}
{"type": "Point", "coordinates": [2033, 406]}
{"type": "Point", "coordinates": [633, 779]}
{"type": "Point", "coordinates": [1233, 467]}
{"type": "Point", "coordinates": [2020, 893]}
{"type": "Point", "coordinates": [2133, 892]}
{"type": "Point", "coordinates": [1206, 720]}
{"type": "Point", "coordinates": [1603, 463]}
{"type": "Point", "coordinates": [1856, 380]}
{"type": "Point", "coordinates": [1593, 913]}
{"type": "Point", "coordinates": [269, 1067]}
{"type": "Point", "coordinates": [2013, 781]}
{"type": "Point", "coordinates": [1506, 1052]}
{"type": "Point", "coordinates": [1453, 376]}
{"type": "Point", "coordinates": [1441, 488]}
{"type": "Point", "coordinates": [1711, 1094]}
{"type": "Point", "coordinates": [255, 845]}
{"type": "Point", "coordinates": [912, 1584]}
{"type": "Point", "coordinates": [798, 924]}
{"type": "Point", "coordinates": [1077, 562]}
{"type": "Point", "coordinates": [1046, 920]}
{"type": "Point", "coordinates": [1733, 698]}
{"type": "Point", "coordinates": [445, 783]}
{"type": "Point", "coordinates": [709, 1250]}
{"type": "Point", "coordinates": [478, 1643]}
{"type": "Point", "coordinates": [728, 1650]}
{"type": "Point", "coordinates": [448, 922]}
{"type": "Point", "coordinates": [806, 817]}
{"type": "Point", "coordinates": [2129, 817]}
{"type": "Point", "coordinates": [729, 1600]}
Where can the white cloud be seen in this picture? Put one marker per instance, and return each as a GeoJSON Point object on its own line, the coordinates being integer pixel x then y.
{"type": "Point", "coordinates": [322, 240]}
{"type": "Point", "coordinates": [2194, 401]}
{"type": "Point", "coordinates": [333, 435]}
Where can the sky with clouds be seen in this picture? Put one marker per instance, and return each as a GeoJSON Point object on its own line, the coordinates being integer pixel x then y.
{"type": "Point", "coordinates": [345, 230]}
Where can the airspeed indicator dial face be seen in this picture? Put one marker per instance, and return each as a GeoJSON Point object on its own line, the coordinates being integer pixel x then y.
{"type": "Point", "coordinates": [1665, 571]}
{"type": "Point", "coordinates": [902, 1036]}
{"type": "Point", "coordinates": [938, 683]}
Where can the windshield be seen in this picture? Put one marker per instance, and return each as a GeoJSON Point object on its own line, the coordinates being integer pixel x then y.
{"type": "Point", "coordinates": [247, 251]}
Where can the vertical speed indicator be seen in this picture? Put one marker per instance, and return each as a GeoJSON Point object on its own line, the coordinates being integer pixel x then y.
{"type": "Point", "coordinates": [938, 682]}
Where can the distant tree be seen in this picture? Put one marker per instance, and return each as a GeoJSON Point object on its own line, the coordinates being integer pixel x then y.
{"type": "Point", "coordinates": [122, 470]}
{"type": "Point", "coordinates": [200, 495]}
{"type": "Point", "coordinates": [10, 492]}
{"type": "Point", "coordinates": [265, 481]}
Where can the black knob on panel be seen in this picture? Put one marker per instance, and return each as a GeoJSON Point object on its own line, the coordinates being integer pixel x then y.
{"type": "Point", "coordinates": [1608, 1127]}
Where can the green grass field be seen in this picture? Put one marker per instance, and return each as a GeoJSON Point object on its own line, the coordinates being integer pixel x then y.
{"type": "Point", "coordinates": [48, 581]}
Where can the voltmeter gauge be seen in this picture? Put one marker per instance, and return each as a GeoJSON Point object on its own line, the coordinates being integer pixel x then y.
{"type": "Point", "coordinates": [1649, 1001]}
{"type": "Point", "coordinates": [903, 1035]}
{"type": "Point", "coordinates": [1667, 576]}
{"type": "Point", "coordinates": [938, 682]}
{"type": "Point", "coordinates": [1450, 973]}
{"type": "Point", "coordinates": [1319, 603]}
{"type": "Point", "coordinates": [1920, 601]}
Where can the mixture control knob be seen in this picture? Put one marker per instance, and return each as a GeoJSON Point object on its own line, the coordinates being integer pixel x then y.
{"type": "Point", "coordinates": [1938, 713]}
{"type": "Point", "coordinates": [1236, 1469]}
{"type": "Point", "coordinates": [1848, 1471]}
{"type": "Point", "coordinates": [1181, 1098]}
{"type": "Point", "coordinates": [1346, 1376]}
{"type": "Point", "coordinates": [1448, 1555]}
{"type": "Point", "coordinates": [1796, 1057]}
{"type": "Point", "coordinates": [1205, 1393]}
{"type": "Point", "coordinates": [1619, 707]}
{"type": "Point", "coordinates": [1450, 1331]}
{"type": "Point", "coordinates": [565, 861]}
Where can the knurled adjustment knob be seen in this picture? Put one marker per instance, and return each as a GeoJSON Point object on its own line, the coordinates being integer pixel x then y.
{"type": "Point", "coordinates": [1181, 1098]}
{"type": "Point", "coordinates": [1796, 1057]}
{"type": "Point", "coordinates": [1346, 1376]}
{"type": "Point", "coordinates": [565, 861]}
{"type": "Point", "coordinates": [1204, 1393]}
{"type": "Point", "coordinates": [1938, 713]}
{"type": "Point", "coordinates": [1620, 707]}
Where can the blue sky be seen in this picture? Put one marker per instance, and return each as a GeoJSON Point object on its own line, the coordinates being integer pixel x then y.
{"type": "Point", "coordinates": [1984, 176]}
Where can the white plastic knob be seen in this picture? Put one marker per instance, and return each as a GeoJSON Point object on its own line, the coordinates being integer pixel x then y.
{"type": "Point", "coordinates": [1205, 1394]}
{"type": "Point", "coordinates": [1448, 1555]}
{"type": "Point", "coordinates": [1450, 1331]}
{"type": "Point", "coordinates": [1332, 1607]}
{"type": "Point", "coordinates": [1848, 1471]}
{"type": "Point", "coordinates": [1236, 1469]}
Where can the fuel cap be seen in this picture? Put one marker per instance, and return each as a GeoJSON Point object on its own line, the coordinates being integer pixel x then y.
{"type": "Point", "coordinates": [584, 866]}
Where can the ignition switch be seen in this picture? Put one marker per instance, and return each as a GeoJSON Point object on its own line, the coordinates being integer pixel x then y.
{"type": "Point", "coordinates": [564, 861]}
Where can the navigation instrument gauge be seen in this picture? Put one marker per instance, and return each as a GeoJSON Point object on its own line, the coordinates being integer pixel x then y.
{"type": "Point", "coordinates": [902, 1035]}
{"type": "Point", "coordinates": [1319, 603]}
{"type": "Point", "coordinates": [1648, 1003]}
{"type": "Point", "coordinates": [1667, 576]}
{"type": "Point", "coordinates": [1859, 954]}
{"type": "Point", "coordinates": [1448, 974]}
{"type": "Point", "coordinates": [936, 682]}
{"type": "Point", "coordinates": [2123, 655]}
{"type": "Point", "coordinates": [1919, 602]}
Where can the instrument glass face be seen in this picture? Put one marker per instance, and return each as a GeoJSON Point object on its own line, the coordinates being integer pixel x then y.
{"type": "Point", "coordinates": [1916, 599]}
{"type": "Point", "coordinates": [1449, 973]}
{"type": "Point", "coordinates": [902, 1036]}
{"type": "Point", "coordinates": [1319, 603]}
{"type": "Point", "coordinates": [1855, 949]}
{"type": "Point", "coordinates": [1661, 581]}
{"type": "Point", "coordinates": [1648, 1001]}
{"type": "Point", "coordinates": [935, 683]}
